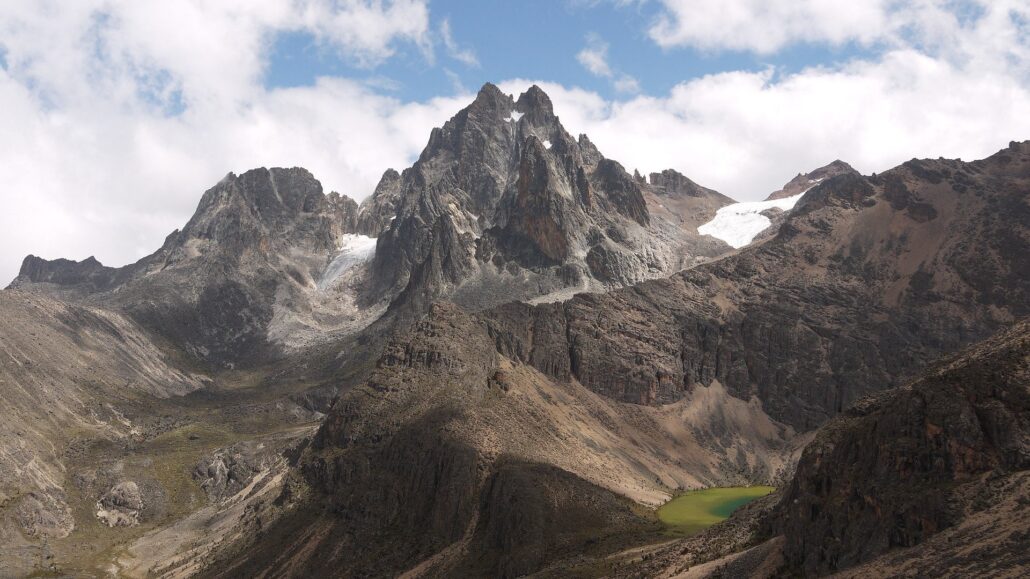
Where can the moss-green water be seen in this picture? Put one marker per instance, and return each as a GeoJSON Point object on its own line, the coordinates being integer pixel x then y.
{"type": "Point", "coordinates": [697, 510]}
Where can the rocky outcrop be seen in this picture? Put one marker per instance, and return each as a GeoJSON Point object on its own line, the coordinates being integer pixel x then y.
{"type": "Point", "coordinates": [227, 472]}
{"type": "Point", "coordinates": [686, 200]}
{"type": "Point", "coordinates": [898, 468]}
{"type": "Point", "coordinates": [88, 273]}
{"type": "Point", "coordinates": [121, 505]}
{"type": "Point", "coordinates": [670, 183]}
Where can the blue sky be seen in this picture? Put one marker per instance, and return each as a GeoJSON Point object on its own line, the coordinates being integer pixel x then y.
{"type": "Point", "coordinates": [538, 39]}
{"type": "Point", "coordinates": [118, 114]}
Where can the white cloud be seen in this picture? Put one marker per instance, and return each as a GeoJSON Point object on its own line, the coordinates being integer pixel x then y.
{"type": "Point", "coordinates": [594, 58]}
{"type": "Point", "coordinates": [626, 84]}
{"type": "Point", "coordinates": [463, 55]}
{"type": "Point", "coordinates": [367, 29]}
{"type": "Point", "coordinates": [762, 26]}
{"type": "Point", "coordinates": [766, 27]}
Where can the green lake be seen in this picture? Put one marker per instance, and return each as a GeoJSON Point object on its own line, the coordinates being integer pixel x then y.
{"type": "Point", "coordinates": [696, 510]}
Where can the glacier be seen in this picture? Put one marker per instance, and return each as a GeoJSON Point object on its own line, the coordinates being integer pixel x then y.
{"type": "Point", "coordinates": [738, 224]}
{"type": "Point", "coordinates": [353, 249]}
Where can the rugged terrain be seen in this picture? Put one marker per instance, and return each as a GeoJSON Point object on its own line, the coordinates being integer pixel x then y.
{"type": "Point", "coordinates": [297, 385]}
{"type": "Point", "coordinates": [833, 307]}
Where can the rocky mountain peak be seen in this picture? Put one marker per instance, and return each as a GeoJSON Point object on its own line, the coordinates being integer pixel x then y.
{"type": "Point", "coordinates": [805, 181]}
{"type": "Point", "coordinates": [503, 190]}
{"type": "Point", "coordinates": [536, 105]}
{"type": "Point", "coordinates": [502, 204]}
{"type": "Point", "coordinates": [88, 272]}
{"type": "Point", "coordinates": [672, 183]}
{"type": "Point", "coordinates": [263, 207]}
{"type": "Point", "coordinates": [380, 208]}
{"type": "Point", "coordinates": [490, 98]}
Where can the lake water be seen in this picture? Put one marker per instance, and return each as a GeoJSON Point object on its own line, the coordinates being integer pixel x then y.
{"type": "Point", "coordinates": [697, 510]}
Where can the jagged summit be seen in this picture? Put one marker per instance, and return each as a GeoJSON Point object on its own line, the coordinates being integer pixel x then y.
{"type": "Point", "coordinates": [491, 98]}
{"type": "Point", "coordinates": [536, 105]}
{"type": "Point", "coordinates": [504, 203]}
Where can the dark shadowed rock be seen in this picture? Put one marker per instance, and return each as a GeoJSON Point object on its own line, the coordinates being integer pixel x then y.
{"type": "Point", "coordinates": [905, 465]}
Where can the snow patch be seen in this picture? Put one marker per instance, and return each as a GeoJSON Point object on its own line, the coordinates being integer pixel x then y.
{"type": "Point", "coordinates": [738, 224]}
{"type": "Point", "coordinates": [547, 143]}
{"type": "Point", "coordinates": [515, 116]}
{"type": "Point", "coordinates": [354, 249]}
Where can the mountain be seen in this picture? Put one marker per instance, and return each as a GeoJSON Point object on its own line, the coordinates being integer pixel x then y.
{"type": "Point", "coordinates": [867, 280]}
{"type": "Point", "coordinates": [245, 325]}
{"type": "Point", "coordinates": [226, 287]}
{"type": "Point", "coordinates": [477, 433]}
{"type": "Point", "coordinates": [505, 204]}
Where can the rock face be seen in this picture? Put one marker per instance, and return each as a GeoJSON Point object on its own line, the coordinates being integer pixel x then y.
{"type": "Point", "coordinates": [380, 208]}
{"type": "Point", "coordinates": [856, 292]}
{"type": "Point", "coordinates": [684, 198]}
{"type": "Point", "coordinates": [900, 467]}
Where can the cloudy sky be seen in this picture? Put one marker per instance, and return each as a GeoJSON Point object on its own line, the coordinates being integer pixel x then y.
{"type": "Point", "coordinates": [115, 115]}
